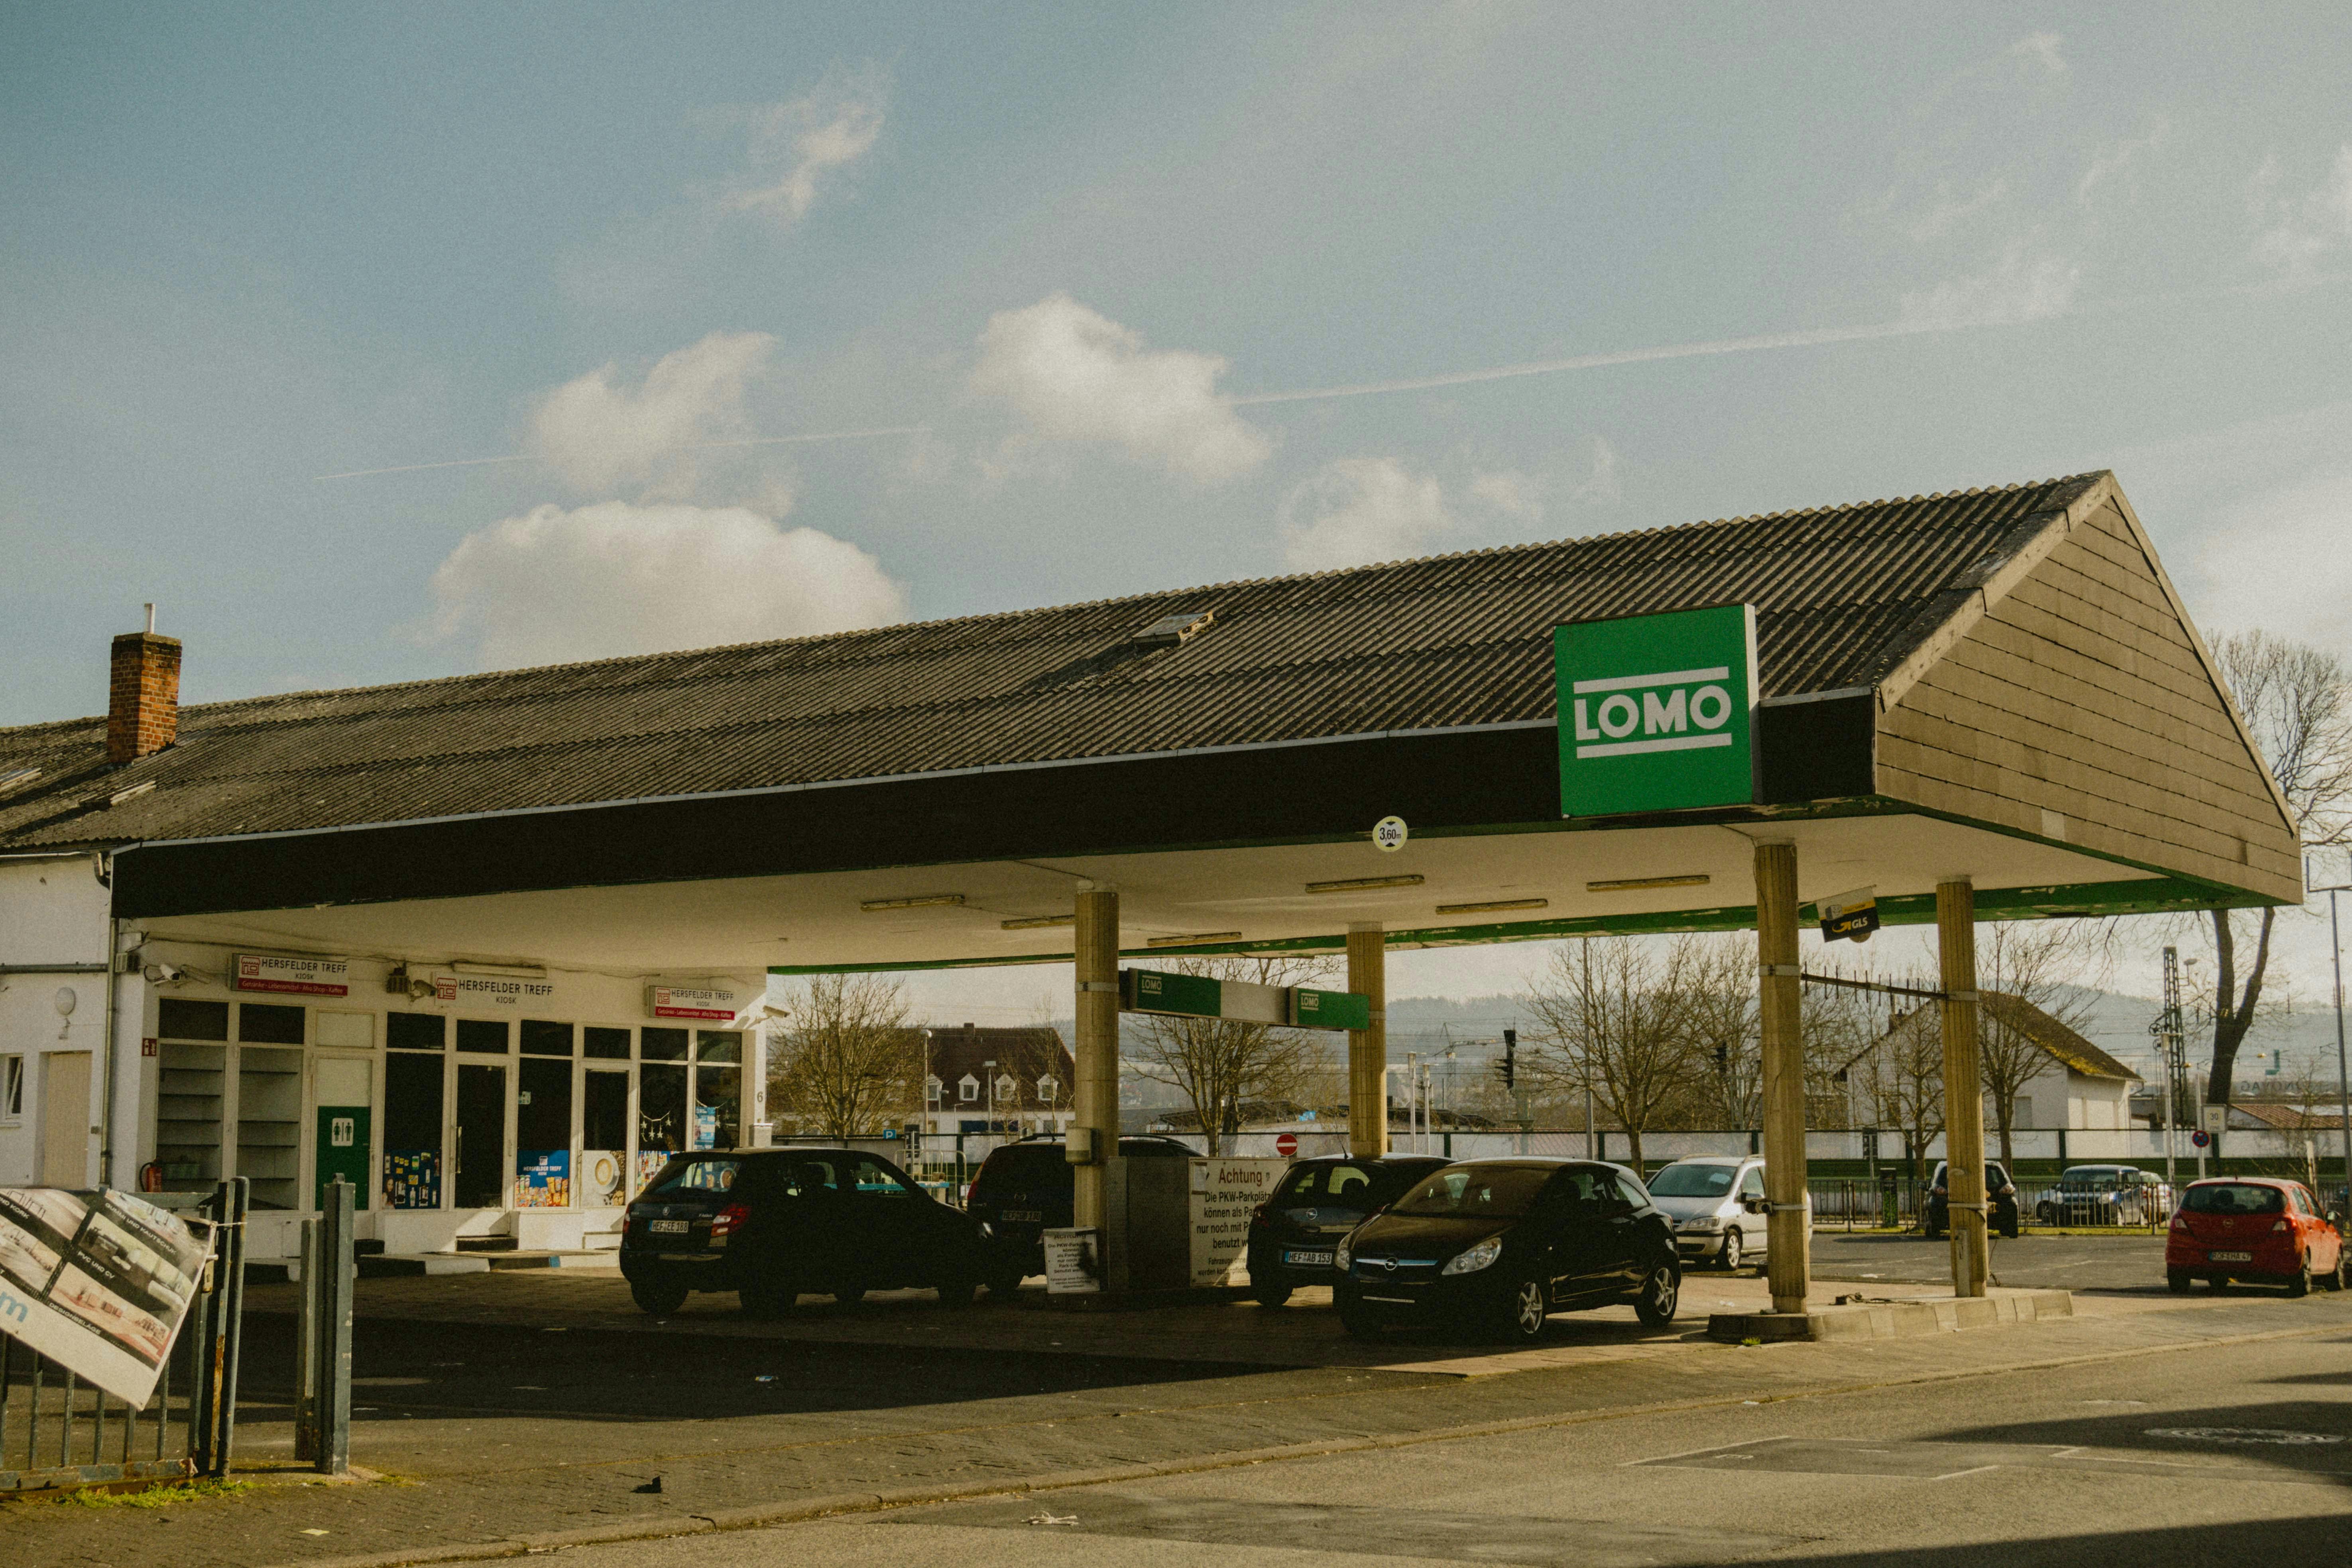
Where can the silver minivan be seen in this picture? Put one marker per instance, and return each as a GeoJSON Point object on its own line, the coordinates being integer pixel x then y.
{"type": "Point", "coordinates": [1717, 1204]}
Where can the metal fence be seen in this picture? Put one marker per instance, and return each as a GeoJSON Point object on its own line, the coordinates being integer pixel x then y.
{"type": "Point", "coordinates": [58, 1432]}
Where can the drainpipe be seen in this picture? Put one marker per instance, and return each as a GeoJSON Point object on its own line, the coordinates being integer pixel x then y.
{"type": "Point", "coordinates": [100, 868]}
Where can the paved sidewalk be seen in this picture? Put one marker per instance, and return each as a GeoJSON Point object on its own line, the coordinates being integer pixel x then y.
{"type": "Point", "coordinates": [504, 1406]}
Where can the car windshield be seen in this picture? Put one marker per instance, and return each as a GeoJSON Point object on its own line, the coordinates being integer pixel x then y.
{"type": "Point", "coordinates": [2088, 1181]}
{"type": "Point", "coordinates": [692, 1178]}
{"type": "Point", "coordinates": [1680, 1181]}
{"type": "Point", "coordinates": [1500, 1192]}
{"type": "Point", "coordinates": [1025, 1168]}
{"type": "Point", "coordinates": [2235, 1197]}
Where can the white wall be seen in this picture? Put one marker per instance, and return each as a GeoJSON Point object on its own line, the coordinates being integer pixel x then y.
{"type": "Point", "coordinates": [51, 911]}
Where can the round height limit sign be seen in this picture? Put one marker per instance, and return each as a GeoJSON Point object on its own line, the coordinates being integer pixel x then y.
{"type": "Point", "coordinates": [1655, 711]}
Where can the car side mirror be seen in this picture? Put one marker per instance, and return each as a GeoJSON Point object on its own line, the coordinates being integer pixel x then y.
{"type": "Point", "coordinates": [1756, 1205]}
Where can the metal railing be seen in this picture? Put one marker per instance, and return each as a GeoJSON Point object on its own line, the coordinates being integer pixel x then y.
{"type": "Point", "coordinates": [58, 1432]}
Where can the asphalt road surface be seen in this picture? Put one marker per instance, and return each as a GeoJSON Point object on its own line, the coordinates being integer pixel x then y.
{"type": "Point", "coordinates": [2234, 1452]}
{"type": "Point", "coordinates": [2132, 1263]}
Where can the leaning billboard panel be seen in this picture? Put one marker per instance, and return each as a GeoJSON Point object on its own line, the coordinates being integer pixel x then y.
{"type": "Point", "coordinates": [99, 1282]}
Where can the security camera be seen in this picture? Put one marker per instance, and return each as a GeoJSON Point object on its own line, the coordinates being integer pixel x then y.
{"type": "Point", "coordinates": [164, 974]}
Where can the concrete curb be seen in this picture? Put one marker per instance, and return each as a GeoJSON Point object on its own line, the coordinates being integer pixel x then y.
{"type": "Point", "coordinates": [1894, 1320]}
{"type": "Point", "coordinates": [804, 1510]}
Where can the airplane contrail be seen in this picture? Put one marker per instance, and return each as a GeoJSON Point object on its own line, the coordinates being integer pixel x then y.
{"type": "Point", "coordinates": [694, 446]}
{"type": "Point", "coordinates": [1616, 356]}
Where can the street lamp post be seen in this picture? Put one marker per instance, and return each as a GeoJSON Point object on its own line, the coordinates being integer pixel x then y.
{"type": "Point", "coordinates": [2343, 1090]}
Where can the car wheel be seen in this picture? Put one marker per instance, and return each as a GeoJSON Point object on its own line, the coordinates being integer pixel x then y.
{"type": "Point", "coordinates": [2176, 1281]}
{"type": "Point", "coordinates": [1660, 1293]}
{"type": "Point", "coordinates": [1273, 1293]}
{"type": "Point", "coordinates": [1359, 1323]}
{"type": "Point", "coordinates": [2299, 1282]}
{"type": "Point", "coordinates": [1731, 1249]}
{"type": "Point", "coordinates": [1522, 1318]}
{"type": "Point", "coordinates": [2047, 1214]}
{"type": "Point", "coordinates": [2217, 1283]}
{"type": "Point", "coordinates": [659, 1300]}
{"type": "Point", "coordinates": [848, 1295]}
{"type": "Point", "coordinates": [956, 1291]}
{"type": "Point", "coordinates": [1005, 1282]}
{"type": "Point", "coordinates": [2334, 1279]}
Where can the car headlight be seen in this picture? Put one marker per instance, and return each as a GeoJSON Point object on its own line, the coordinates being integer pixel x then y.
{"type": "Point", "coordinates": [987, 1230]}
{"type": "Point", "coordinates": [1341, 1258]}
{"type": "Point", "coordinates": [1472, 1259]}
{"type": "Point", "coordinates": [1703, 1222]}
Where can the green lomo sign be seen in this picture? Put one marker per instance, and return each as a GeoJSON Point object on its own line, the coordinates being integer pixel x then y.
{"type": "Point", "coordinates": [1655, 711]}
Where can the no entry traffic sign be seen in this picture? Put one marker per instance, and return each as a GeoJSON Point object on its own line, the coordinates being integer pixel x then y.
{"type": "Point", "coordinates": [1286, 1145]}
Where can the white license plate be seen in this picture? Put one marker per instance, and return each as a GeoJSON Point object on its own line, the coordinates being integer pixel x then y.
{"type": "Point", "coordinates": [1394, 1301]}
{"type": "Point", "coordinates": [1309, 1260]}
{"type": "Point", "coordinates": [1021, 1217]}
{"type": "Point", "coordinates": [2232, 1257]}
{"type": "Point", "coordinates": [667, 1226]}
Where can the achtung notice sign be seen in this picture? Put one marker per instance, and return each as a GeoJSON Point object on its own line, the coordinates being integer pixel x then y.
{"type": "Point", "coordinates": [297, 976]}
{"type": "Point", "coordinates": [1655, 711]}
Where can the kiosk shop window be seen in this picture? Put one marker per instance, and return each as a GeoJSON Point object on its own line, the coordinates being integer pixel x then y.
{"type": "Point", "coordinates": [542, 1038]}
{"type": "Point", "coordinates": [608, 1045]}
{"type": "Point", "coordinates": [544, 1128]}
{"type": "Point", "coordinates": [415, 1032]}
{"type": "Point", "coordinates": [413, 1106]}
{"type": "Point", "coordinates": [718, 1088]}
{"type": "Point", "coordinates": [604, 1131]}
{"type": "Point", "coordinates": [269, 1103]}
{"type": "Point", "coordinates": [191, 1092]}
{"type": "Point", "coordinates": [12, 1087]}
{"type": "Point", "coordinates": [479, 1181]}
{"type": "Point", "coordinates": [489, 1036]}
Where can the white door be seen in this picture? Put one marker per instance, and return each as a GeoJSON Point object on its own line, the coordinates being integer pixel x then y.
{"type": "Point", "coordinates": [1753, 1229]}
{"type": "Point", "coordinates": [65, 1118]}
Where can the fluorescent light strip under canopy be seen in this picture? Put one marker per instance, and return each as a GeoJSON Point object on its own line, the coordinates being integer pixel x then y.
{"type": "Point", "coordinates": [1493, 904]}
{"type": "Point", "coordinates": [1367, 884]}
{"type": "Point", "coordinates": [920, 902]}
{"type": "Point", "coordinates": [1198, 936]}
{"type": "Point", "coordinates": [1636, 884]}
{"type": "Point", "coordinates": [1038, 923]}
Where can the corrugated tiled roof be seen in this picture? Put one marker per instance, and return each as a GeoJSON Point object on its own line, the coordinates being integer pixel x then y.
{"type": "Point", "coordinates": [1842, 594]}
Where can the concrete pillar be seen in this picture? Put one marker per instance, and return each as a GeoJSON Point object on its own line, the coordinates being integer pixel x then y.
{"type": "Point", "coordinates": [1789, 1266]}
{"type": "Point", "coordinates": [1964, 1173]}
{"type": "Point", "coordinates": [1094, 1097]}
{"type": "Point", "coordinates": [1368, 1049]}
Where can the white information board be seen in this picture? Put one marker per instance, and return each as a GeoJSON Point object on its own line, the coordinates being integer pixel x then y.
{"type": "Point", "coordinates": [1224, 1191]}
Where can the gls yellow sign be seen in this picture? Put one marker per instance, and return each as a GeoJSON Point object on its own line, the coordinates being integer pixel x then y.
{"type": "Point", "coordinates": [1655, 711]}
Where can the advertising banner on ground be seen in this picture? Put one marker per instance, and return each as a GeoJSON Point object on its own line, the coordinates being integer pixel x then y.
{"type": "Point", "coordinates": [99, 1282]}
{"type": "Point", "coordinates": [1224, 1191]}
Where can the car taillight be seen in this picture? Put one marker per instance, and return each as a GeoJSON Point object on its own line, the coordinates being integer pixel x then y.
{"type": "Point", "coordinates": [2279, 1225]}
{"type": "Point", "coordinates": [723, 1223]}
{"type": "Point", "coordinates": [2180, 1222]}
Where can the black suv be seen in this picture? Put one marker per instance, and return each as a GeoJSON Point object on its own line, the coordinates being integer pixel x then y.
{"type": "Point", "coordinates": [1495, 1244]}
{"type": "Point", "coordinates": [2000, 1201]}
{"type": "Point", "coordinates": [775, 1224]}
{"type": "Point", "coordinates": [1022, 1190]}
{"type": "Point", "coordinates": [1315, 1206]}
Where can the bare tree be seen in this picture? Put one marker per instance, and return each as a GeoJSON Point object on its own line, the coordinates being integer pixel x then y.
{"type": "Point", "coordinates": [850, 1065]}
{"type": "Point", "coordinates": [1222, 1065]}
{"type": "Point", "coordinates": [2050, 964]}
{"type": "Point", "coordinates": [1615, 1015]}
{"type": "Point", "coordinates": [2298, 703]}
{"type": "Point", "coordinates": [1720, 1017]}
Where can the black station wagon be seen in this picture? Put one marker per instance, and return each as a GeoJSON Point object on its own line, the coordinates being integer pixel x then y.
{"type": "Point", "coordinates": [773, 1225]}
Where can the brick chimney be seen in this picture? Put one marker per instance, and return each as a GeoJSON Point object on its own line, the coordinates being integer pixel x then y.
{"type": "Point", "coordinates": [143, 710]}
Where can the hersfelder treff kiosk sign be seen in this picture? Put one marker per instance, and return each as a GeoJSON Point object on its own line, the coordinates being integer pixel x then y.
{"type": "Point", "coordinates": [1655, 711]}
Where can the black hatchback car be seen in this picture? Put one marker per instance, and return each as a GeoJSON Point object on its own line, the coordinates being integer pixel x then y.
{"type": "Point", "coordinates": [2000, 1201]}
{"type": "Point", "coordinates": [773, 1225]}
{"type": "Point", "coordinates": [1293, 1234]}
{"type": "Point", "coordinates": [1022, 1190]}
{"type": "Point", "coordinates": [1495, 1244]}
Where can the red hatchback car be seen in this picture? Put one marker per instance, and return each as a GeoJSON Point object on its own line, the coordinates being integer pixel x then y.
{"type": "Point", "coordinates": [2253, 1228]}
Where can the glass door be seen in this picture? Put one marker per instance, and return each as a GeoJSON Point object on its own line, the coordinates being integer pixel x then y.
{"type": "Point", "coordinates": [343, 1104]}
{"type": "Point", "coordinates": [481, 1175]}
{"type": "Point", "coordinates": [604, 1136]}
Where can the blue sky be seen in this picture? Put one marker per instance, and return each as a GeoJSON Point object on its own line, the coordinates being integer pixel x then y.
{"type": "Point", "coordinates": [1061, 249]}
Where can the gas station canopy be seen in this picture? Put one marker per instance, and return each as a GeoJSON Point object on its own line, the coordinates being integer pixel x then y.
{"type": "Point", "coordinates": [1997, 684]}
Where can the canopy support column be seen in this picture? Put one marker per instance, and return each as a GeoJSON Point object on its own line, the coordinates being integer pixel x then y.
{"type": "Point", "coordinates": [1964, 1169]}
{"type": "Point", "coordinates": [1368, 1049]}
{"type": "Point", "coordinates": [1096, 1096]}
{"type": "Point", "coordinates": [1788, 1263]}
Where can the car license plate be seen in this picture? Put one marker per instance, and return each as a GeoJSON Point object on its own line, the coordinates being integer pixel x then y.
{"type": "Point", "coordinates": [1309, 1260]}
{"type": "Point", "coordinates": [667, 1226]}
{"type": "Point", "coordinates": [2232, 1257]}
{"type": "Point", "coordinates": [1021, 1217]}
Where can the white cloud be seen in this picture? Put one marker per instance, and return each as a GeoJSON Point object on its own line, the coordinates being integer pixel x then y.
{"type": "Point", "coordinates": [1072, 374]}
{"type": "Point", "coordinates": [2040, 55]}
{"type": "Point", "coordinates": [1358, 510]}
{"type": "Point", "coordinates": [2298, 233]}
{"type": "Point", "coordinates": [1601, 485]}
{"type": "Point", "coordinates": [615, 578]}
{"type": "Point", "coordinates": [2120, 161]}
{"type": "Point", "coordinates": [2022, 285]}
{"type": "Point", "coordinates": [597, 433]}
{"type": "Point", "coordinates": [1949, 209]}
{"type": "Point", "coordinates": [1512, 493]}
{"type": "Point", "coordinates": [796, 148]}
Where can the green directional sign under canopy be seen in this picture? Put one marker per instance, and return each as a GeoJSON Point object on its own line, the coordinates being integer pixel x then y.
{"type": "Point", "coordinates": [1241, 1002]}
{"type": "Point", "coordinates": [1655, 711]}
